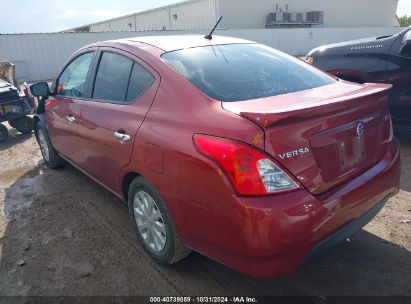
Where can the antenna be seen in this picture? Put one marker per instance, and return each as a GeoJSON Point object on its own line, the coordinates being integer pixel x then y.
{"type": "Point", "coordinates": [210, 36]}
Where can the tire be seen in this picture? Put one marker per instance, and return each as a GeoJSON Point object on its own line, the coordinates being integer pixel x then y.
{"type": "Point", "coordinates": [171, 250]}
{"type": "Point", "coordinates": [24, 124]}
{"type": "Point", "coordinates": [12, 123]}
{"type": "Point", "coordinates": [4, 133]}
{"type": "Point", "coordinates": [50, 155]}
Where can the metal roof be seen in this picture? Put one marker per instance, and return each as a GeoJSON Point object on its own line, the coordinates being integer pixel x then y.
{"type": "Point", "coordinates": [130, 15]}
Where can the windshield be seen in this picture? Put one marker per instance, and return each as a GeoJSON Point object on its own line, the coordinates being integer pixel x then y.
{"type": "Point", "coordinates": [237, 72]}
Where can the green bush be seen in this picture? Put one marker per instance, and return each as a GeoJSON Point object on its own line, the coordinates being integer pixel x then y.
{"type": "Point", "coordinates": [405, 20]}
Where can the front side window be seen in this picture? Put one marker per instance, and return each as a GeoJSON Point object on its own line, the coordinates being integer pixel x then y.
{"type": "Point", "coordinates": [73, 79]}
{"type": "Point", "coordinates": [237, 72]}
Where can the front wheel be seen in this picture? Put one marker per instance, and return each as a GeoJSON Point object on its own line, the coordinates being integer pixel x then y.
{"type": "Point", "coordinates": [24, 124]}
{"type": "Point", "coordinates": [153, 225]}
{"type": "Point", "coordinates": [50, 155]}
{"type": "Point", "coordinates": [4, 133]}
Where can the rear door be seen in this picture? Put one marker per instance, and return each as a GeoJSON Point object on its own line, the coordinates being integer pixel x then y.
{"type": "Point", "coordinates": [63, 109]}
{"type": "Point", "coordinates": [123, 90]}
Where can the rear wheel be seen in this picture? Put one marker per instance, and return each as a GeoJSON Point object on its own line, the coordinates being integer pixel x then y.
{"type": "Point", "coordinates": [50, 155]}
{"type": "Point", "coordinates": [153, 224]}
{"type": "Point", "coordinates": [4, 133]}
{"type": "Point", "coordinates": [24, 124]}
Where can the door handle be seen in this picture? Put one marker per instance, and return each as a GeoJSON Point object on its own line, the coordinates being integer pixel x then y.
{"type": "Point", "coordinates": [70, 118]}
{"type": "Point", "coordinates": [121, 136]}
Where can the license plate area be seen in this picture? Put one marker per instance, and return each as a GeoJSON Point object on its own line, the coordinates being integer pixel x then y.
{"type": "Point", "coordinates": [344, 150]}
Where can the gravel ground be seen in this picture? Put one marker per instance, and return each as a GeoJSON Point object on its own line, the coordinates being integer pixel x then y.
{"type": "Point", "coordinates": [62, 234]}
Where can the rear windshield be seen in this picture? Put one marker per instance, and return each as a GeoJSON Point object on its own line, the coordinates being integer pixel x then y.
{"type": "Point", "coordinates": [236, 72]}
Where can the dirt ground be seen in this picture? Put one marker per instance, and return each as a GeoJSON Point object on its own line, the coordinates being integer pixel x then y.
{"type": "Point", "coordinates": [62, 234]}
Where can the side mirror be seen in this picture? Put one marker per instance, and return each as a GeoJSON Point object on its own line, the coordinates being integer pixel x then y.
{"type": "Point", "coordinates": [40, 89]}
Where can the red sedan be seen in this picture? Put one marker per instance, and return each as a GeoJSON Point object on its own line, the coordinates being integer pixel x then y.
{"type": "Point", "coordinates": [224, 146]}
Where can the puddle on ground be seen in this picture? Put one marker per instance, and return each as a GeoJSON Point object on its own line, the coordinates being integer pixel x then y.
{"type": "Point", "coordinates": [24, 184]}
{"type": "Point", "coordinates": [15, 174]}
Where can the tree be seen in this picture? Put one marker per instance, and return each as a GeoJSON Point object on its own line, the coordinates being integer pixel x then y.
{"type": "Point", "coordinates": [405, 21]}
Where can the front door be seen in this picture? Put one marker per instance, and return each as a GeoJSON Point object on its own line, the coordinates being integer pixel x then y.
{"type": "Point", "coordinates": [124, 89]}
{"type": "Point", "coordinates": [63, 109]}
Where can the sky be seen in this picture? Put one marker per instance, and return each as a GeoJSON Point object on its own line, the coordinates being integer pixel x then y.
{"type": "Point", "coordinates": [50, 16]}
{"type": "Point", "coordinates": [404, 8]}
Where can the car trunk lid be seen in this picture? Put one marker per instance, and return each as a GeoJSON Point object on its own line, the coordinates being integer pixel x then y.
{"type": "Point", "coordinates": [324, 136]}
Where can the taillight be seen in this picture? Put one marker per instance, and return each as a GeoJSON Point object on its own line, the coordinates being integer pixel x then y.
{"type": "Point", "coordinates": [250, 171]}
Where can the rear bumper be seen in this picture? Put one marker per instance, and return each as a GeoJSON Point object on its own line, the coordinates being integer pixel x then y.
{"type": "Point", "coordinates": [270, 236]}
{"type": "Point", "coordinates": [349, 229]}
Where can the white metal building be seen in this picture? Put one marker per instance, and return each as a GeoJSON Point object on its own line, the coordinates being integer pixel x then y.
{"type": "Point", "coordinates": [255, 14]}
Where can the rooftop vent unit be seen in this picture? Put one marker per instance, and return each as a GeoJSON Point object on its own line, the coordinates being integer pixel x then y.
{"type": "Point", "coordinates": [306, 19]}
{"type": "Point", "coordinates": [296, 17]}
{"type": "Point", "coordinates": [277, 17]}
{"type": "Point", "coordinates": [314, 17]}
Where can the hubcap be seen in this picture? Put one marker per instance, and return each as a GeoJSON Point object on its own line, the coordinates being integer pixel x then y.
{"type": "Point", "coordinates": [149, 221]}
{"type": "Point", "coordinates": [43, 145]}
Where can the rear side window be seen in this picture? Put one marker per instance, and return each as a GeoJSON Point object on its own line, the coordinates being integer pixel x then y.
{"type": "Point", "coordinates": [120, 79]}
{"type": "Point", "coordinates": [112, 77]}
{"type": "Point", "coordinates": [237, 72]}
{"type": "Point", "coordinates": [140, 81]}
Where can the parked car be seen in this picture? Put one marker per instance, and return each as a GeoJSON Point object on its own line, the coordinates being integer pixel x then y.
{"type": "Point", "coordinates": [384, 59]}
{"type": "Point", "coordinates": [224, 146]}
{"type": "Point", "coordinates": [14, 108]}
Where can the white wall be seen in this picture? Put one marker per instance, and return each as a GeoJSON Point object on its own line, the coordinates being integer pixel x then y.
{"type": "Point", "coordinates": [41, 56]}
{"type": "Point", "coordinates": [298, 42]}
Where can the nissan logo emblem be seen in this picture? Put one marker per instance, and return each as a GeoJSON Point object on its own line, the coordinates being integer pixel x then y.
{"type": "Point", "coordinates": [360, 129]}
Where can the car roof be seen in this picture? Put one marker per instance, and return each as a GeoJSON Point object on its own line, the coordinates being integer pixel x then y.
{"type": "Point", "coordinates": [177, 42]}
